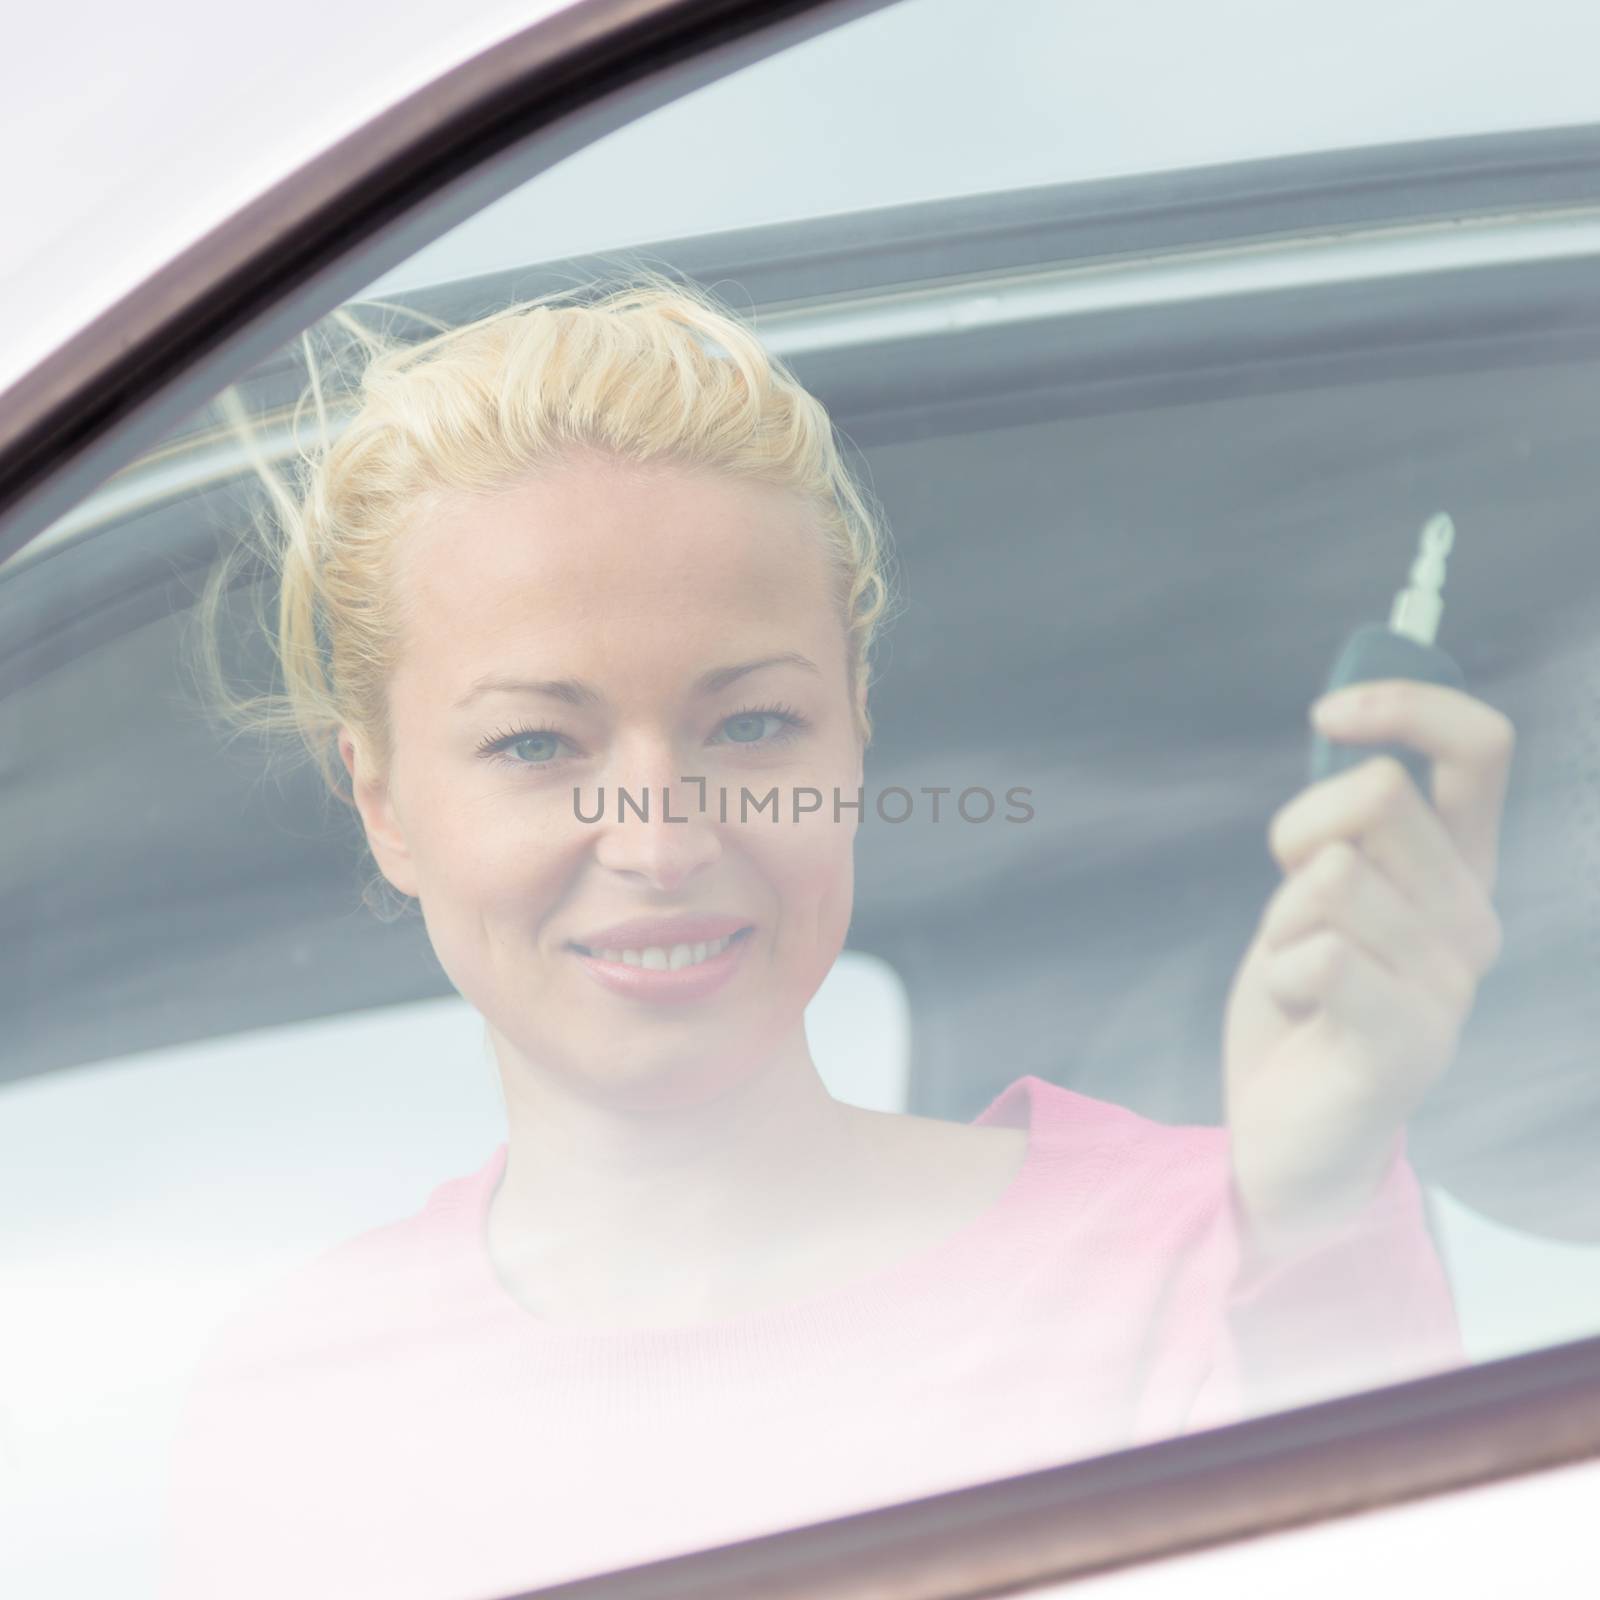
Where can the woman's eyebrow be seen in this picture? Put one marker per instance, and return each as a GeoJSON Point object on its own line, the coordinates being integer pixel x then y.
{"type": "Point", "coordinates": [575, 693]}
{"type": "Point", "coordinates": [721, 677]}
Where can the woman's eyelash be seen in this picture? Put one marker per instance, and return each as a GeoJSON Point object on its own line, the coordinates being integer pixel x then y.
{"type": "Point", "coordinates": [497, 743]}
{"type": "Point", "coordinates": [792, 720]}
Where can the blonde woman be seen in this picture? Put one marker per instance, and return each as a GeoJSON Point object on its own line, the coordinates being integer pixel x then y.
{"type": "Point", "coordinates": [610, 545]}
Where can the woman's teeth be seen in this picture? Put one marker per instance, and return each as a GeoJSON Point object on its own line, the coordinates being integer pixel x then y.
{"type": "Point", "coordinates": [663, 958]}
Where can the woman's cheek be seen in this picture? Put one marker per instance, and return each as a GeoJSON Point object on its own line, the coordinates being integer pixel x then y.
{"type": "Point", "coordinates": [498, 852]}
{"type": "Point", "coordinates": [817, 872]}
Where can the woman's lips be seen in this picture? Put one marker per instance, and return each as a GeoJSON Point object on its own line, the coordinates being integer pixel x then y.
{"type": "Point", "coordinates": [682, 927]}
{"type": "Point", "coordinates": [669, 985]}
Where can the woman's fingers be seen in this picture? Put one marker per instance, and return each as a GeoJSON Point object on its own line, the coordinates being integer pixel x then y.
{"type": "Point", "coordinates": [1309, 974]}
{"type": "Point", "coordinates": [1340, 892]}
{"type": "Point", "coordinates": [1400, 1039]}
{"type": "Point", "coordinates": [1377, 808]}
{"type": "Point", "coordinates": [1353, 994]}
{"type": "Point", "coordinates": [1469, 743]}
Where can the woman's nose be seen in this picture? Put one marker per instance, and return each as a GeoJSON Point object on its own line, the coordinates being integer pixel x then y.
{"type": "Point", "coordinates": [659, 832]}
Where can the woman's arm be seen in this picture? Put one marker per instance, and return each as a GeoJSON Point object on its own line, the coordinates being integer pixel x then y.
{"type": "Point", "coordinates": [1346, 1010]}
{"type": "Point", "coordinates": [1364, 1304]}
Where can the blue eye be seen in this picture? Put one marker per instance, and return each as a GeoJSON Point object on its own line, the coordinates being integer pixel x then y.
{"type": "Point", "coordinates": [761, 725]}
{"type": "Point", "coordinates": [535, 748]}
{"type": "Point", "coordinates": [749, 726]}
{"type": "Point", "coordinates": [524, 747]}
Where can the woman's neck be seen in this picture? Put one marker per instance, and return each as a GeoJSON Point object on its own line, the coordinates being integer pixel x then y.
{"type": "Point", "coordinates": [617, 1217]}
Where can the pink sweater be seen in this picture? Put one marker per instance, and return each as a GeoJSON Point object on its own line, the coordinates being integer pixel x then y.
{"type": "Point", "coordinates": [392, 1423]}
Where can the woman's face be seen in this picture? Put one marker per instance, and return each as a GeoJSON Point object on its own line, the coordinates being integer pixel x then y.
{"type": "Point", "coordinates": [601, 627]}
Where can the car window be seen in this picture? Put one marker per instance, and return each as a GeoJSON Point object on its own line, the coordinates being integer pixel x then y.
{"type": "Point", "coordinates": [1095, 90]}
{"type": "Point", "coordinates": [1186, 1075]}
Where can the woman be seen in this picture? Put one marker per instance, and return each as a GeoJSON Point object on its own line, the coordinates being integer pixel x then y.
{"type": "Point", "coordinates": [578, 549]}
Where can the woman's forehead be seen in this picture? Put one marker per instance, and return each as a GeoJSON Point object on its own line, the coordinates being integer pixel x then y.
{"type": "Point", "coordinates": [606, 555]}
{"type": "Point", "coordinates": [592, 523]}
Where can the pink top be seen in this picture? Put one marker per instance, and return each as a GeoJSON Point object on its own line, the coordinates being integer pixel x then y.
{"type": "Point", "coordinates": [392, 1423]}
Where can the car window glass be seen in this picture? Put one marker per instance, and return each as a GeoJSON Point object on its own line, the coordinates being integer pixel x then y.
{"type": "Point", "coordinates": [1063, 93]}
{"type": "Point", "coordinates": [1158, 388]}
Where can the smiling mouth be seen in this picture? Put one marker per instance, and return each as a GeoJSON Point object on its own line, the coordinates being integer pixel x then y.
{"type": "Point", "coordinates": [665, 958]}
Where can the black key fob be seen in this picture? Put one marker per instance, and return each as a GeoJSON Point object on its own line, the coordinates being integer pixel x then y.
{"type": "Point", "coordinates": [1374, 651]}
{"type": "Point", "coordinates": [1403, 649]}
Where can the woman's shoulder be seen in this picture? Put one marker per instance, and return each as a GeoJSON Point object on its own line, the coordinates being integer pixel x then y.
{"type": "Point", "coordinates": [1060, 1117]}
{"type": "Point", "coordinates": [1092, 1157]}
{"type": "Point", "coordinates": [376, 1280]}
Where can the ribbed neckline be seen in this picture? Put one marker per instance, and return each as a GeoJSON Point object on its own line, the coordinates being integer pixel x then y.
{"type": "Point", "coordinates": [963, 1258]}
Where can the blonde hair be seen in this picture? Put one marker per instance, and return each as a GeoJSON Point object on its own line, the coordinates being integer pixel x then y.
{"type": "Point", "coordinates": [654, 372]}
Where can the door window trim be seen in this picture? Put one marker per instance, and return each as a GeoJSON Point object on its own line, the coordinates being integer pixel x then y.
{"type": "Point", "coordinates": [1333, 1459]}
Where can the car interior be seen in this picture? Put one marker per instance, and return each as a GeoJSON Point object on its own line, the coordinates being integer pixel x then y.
{"type": "Point", "coordinates": [1130, 539]}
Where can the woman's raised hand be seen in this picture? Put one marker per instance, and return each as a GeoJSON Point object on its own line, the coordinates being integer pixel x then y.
{"type": "Point", "coordinates": [1351, 997]}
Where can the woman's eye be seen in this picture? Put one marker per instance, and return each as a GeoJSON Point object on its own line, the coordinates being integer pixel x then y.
{"type": "Point", "coordinates": [751, 727]}
{"type": "Point", "coordinates": [748, 728]}
{"type": "Point", "coordinates": [535, 749]}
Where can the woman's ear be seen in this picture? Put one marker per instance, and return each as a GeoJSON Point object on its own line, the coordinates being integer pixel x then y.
{"type": "Point", "coordinates": [375, 806]}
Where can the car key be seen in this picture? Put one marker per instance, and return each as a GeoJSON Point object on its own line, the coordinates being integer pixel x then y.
{"type": "Point", "coordinates": [1404, 648]}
